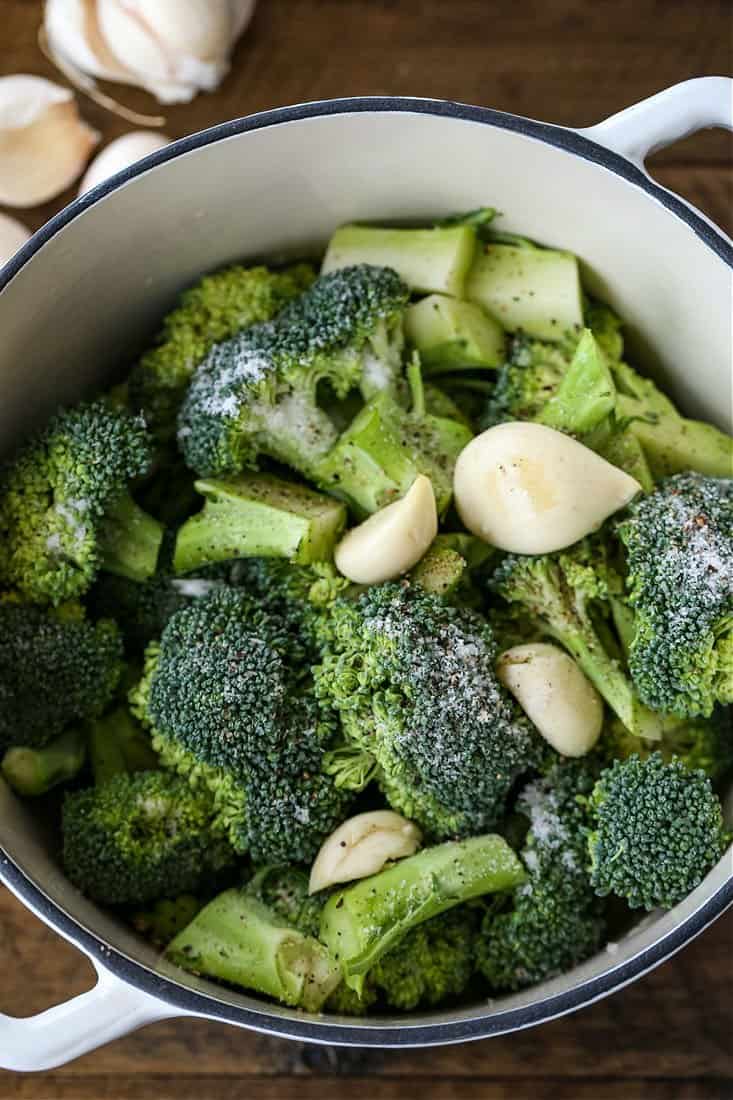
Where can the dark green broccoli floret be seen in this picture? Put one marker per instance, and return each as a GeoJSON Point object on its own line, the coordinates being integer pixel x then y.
{"type": "Point", "coordinates": [657, 831]}
{"type": "Point", "coordinates": [140, 837]}
{"type": "Point", "coordinates": [165, 919]}
{"type": "Point", "coordinates": [527, 381]}
{"type": "Point", "coordinates": [141, 610]}
{"type": "Point", "coordinates": [256, 393]}
{"type": "Point", "coordinates": [216, 308]}
{"type": "Point", "coordinates": [55, 669]}
{"type": "Point", "coordinates": [564, 596]}
{"type": "Point", "coordinates": [553, 921]}
{"type": "Point", "coordinates": [705, 743]}
{"type": "Point", "coordinates": [679, 551]}
{"type": "Point", "coordinates": [414, 683]}
{"type": "Point", "coordinates": [65, 509]}
{"type": "Point", "coordinates": [247, 716]}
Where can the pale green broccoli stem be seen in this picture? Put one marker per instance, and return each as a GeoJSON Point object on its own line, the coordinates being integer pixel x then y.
{"type": "Point", "coordinates": [586, 395]}
{"type": "Point", "coordinates": [440, 571]}
{"type": "Point", "coordinates": [258, 515]}
{"type": "Point", "coordinates": [361, 923]}
{"type": "Point", "coordinates": [427, 260]}
{"type": "Point", "coordinates": [32, 772]}
{"type": "Point", "coordinates": [454, 335]}
{"type": "Point", "coordinates": [674, 445]}
{"type": "Point", "coordinates": [118, 745]}
{"type": "Point", "coordinates": [129, 541]}
{"type": "Point", "coordinates": [238, 939]}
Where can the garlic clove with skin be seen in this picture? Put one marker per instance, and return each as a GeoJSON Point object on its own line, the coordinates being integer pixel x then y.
{"type": "Point", "coordinates": [555, 694]}
{"type": "Point", "coordinates": [529, 489]}
{"type": "Point", "coordinates": [73, 32]}
{"type": "Point", "coordinates": [12, 236]}
{"type": "Point", "coordinates": [44, 144]}
{"type": "Point", "coordinates": [120, 154]}
{"type": "Point", "coordinates": [361, 846]}
{"type": "Point", "coordinates": [392, 540]}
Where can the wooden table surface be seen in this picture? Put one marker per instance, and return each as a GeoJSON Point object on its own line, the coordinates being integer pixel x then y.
{"type": "Point", "coordinates": [670, 1036]}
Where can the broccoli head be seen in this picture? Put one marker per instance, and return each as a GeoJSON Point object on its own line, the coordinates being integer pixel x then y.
{"type": "Point", "coordinates": [657, 831]}
{"type": "Point", "coordinates": [140, 837]}
{"type": "Point", "coordinates": [679, 550]}
{"type": "Point", "coordinates": [216, 308]}
{"type": "Point", "coordinates": [65, 509]}
{"type": "Point", "coordinates": [55, 668]}
{"type": "Point", "coordinates": [565, 596]}
{"type": "Point", "coordinates": [700, 743]}
{"type": "Point", "coordinates": [413, 681]}
{"type": "Point", "coordinates": [256, 392]}
{"type": "Point", "coordinates": [554, 920]}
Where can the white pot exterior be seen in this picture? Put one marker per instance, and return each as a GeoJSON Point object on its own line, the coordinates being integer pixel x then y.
{"type": "Point", "coordinates": [76, 309]}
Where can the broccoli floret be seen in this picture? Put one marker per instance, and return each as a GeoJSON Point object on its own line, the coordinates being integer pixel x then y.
{"type": "Point", "coordinates": [256, 393]}
{"type": "Point", "coordinates": [679, 551]}
{"type": "Point", "coordinates": [55, 669]}
{"type": "Point", "coordinates": [700, 743]}
{"type": "Point", "coordinates": [527, 381]}
{"type": "Point", "coordinates": [246, 712]}
{"type": "Point", "coordinates": [657, 831]}
{"type": "Point", "coordinates": [140, 837]}
{"type": "Point", "coordinates": [32, 772]}
{"type": "Point", "coordinates": [65, 509]}
{"type": "Point", "coordinates": [554, 920]}
{"type": "Point", "coordinates": [369, 918]}
{"type": "Point", "coordinates": [564, 597]}
{"type": "Point", "coordinates": [216, 308]}
{"type": "Point", "coordinates": [141, 610]}
{"type": "Point", "coordinates": [413, 681]}
{"type": "Point", "coordinates": [239, 939]}
{"type": "Point", "coordinates": [165, 919]}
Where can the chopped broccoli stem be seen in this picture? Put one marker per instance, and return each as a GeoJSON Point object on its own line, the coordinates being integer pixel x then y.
{"type": "Point", "coordinates": [32, 772]}
{"type": "Point", "coordinates": [673, 445]}
{"type": "Point", "coordinates": [361, 923]}
{"type": "Point", "coordinates": [586, 395]}
{"type": "Point", "coordinates": [129, 541]}
{"type": "Point", "coordinates": [118, 745]}
{"type": "Point", "coordinates": [440, 571]}
{"type": "Point", "coordinates": [429, 260]}
{"type": "Point", "coordinates": [258, 515]}
{"type": "Point", "coordinates": [238, 939]}
{"type": "Point", "coordinates": [452, 335]}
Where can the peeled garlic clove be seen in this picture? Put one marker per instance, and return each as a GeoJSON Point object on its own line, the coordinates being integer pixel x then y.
{"type": "Point", "coordinates": [530, 489]}
{"type": "Point", "coordinates": [361, 847]}
{"type": "Point", "coordinates": [12, 236]}
{"type": "Point", "coordinates": [391, 541]}
{"type": "Point", "coordinates": [44, 145]}
{"type": "Point", "coordinates": [554, 693]}
{"type": "Point", "coordinates": [73, 32]}
{"type": "Point", "coordinates": [120, 154]}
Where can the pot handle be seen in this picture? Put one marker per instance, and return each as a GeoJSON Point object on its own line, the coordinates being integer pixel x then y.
{"type": "Point", "coordinates": [60, 1034]}
{"type": "Point", "coordinates": [666, 117]}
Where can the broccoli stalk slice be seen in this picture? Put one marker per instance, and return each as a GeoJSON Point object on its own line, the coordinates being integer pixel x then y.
{"type": "Point", "coordinates": [32, 772]}
{"type": "Point", "coordinates": [454, 335]}
{"type": "Point", "coordinates": [586, 395]}
{"type": "Point", "coordinates": [440, 571]}
{"type": "Point", "coordinates": [258, 515]}
{"type": "Point", "coordinates": [238, 939]}
{"type": "Point", "coordinates": [129, 540]}
{"type": "Point", "coordinates": [673, 444]}
{"type": "Point", "coordinates": [363, 922]}
{"type": "Point", "coordinates": [117, 745]}
{"type": "Point", "coordinates": [378, 457]}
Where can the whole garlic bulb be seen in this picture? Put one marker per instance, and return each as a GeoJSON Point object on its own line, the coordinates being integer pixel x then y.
{"type": "Point", "coordinates": [172, 48]}
{"type": "Point", "coordinates": [12, 236]}
{"type": "Point", "coordinates": [44, 144]}
{"type": "Point", "coordinates": [119, 154]}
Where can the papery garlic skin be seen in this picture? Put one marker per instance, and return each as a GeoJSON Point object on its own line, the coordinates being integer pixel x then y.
{"type": "Point", "coordinates": [392, 540]}
{"type": "Point", "coordinates": [120, 154]}
{"type": "Point", "coordinates": [73, 32]}
{"type": "Point", "coordinates": [555, 694]}
{"type": "Point", "coordinates": [529, 489]}
{"type": "Point", "coordinates": [361, 846]}
{"type": "Point", "coordinates": [44, 144]}
{"type": "Point", "coordinates": [12, 236]}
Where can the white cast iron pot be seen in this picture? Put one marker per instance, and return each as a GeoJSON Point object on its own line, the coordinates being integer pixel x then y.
{"type": "Point", "coordinates": [83, 295]}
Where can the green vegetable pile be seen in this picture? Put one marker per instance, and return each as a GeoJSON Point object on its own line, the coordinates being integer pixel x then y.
{"type": "Point", "coordinates": [180, 653]}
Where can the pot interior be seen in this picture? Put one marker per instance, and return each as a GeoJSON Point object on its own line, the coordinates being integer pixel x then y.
{"type": "Point", "coordinates": [76, 314]}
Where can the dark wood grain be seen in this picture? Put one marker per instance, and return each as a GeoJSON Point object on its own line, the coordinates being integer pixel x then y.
{"type": "Point", "coordinates": [668, 1037]}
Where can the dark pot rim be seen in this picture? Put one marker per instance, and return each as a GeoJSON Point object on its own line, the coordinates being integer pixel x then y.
{"type": "Point", "coordinates": [292, 1025]}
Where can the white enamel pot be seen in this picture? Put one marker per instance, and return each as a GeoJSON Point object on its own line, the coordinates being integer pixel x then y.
{"type": "Point", "coordinates": [82, 296]}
